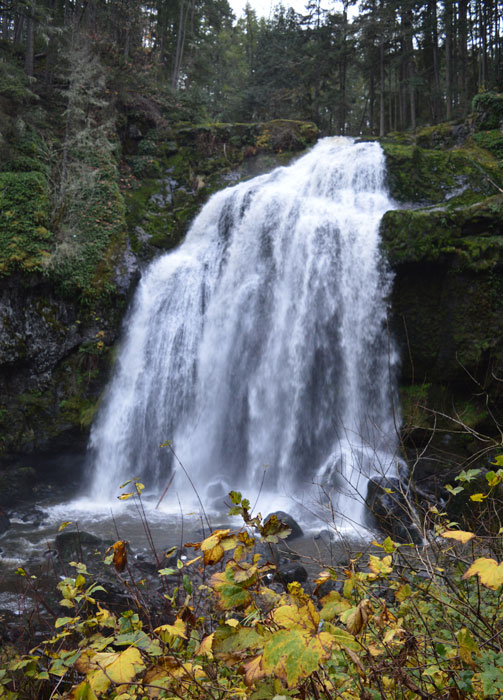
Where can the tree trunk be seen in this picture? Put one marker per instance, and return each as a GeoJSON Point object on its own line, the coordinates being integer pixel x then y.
{"type": "Point", "coordinates": [382, 88]}
{"type": "Point", "coordinates": [463, 55]}
{"type": "Point", "coordinates": [448, 59]}
{"type": "Point", "coordinates": [30, 40]}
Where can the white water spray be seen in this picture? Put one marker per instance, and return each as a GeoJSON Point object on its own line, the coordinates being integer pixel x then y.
{"type": "Point", "coordinates": [262, 339]}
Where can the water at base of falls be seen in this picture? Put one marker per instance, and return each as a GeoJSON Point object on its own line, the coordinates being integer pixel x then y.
{"type": "Point", "coordinates": [262, 341]}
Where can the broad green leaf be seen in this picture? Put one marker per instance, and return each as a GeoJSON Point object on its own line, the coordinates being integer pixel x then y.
{"type": "Point", "coordinates": [83, 691]}
{"type": "Point", "coordinates": [342, 638]}
{"type": "Point", "coordinates": [139, 639]}
{"type": "Point", "coordinates": [454, 489]}
{"type": "Point", "coordinates": [493, 479]}
{"type": "Point", "coordinates": [333, 605]}
{"type": "Point", "coordinates": [228, 639]}
{"type": "Point", "coordinates": [467, 645]}
{"type": "Point", "coordinates": [468, 475]}
{"type": "Point", "coordinates": [389, 545]}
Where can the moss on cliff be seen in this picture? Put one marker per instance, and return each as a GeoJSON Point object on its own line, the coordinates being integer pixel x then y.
{"type": "Point", "coordinates": [472, 235]}
{"type": "Point", "coordinates": [174, 171]}
{"type": "Point", "coordinates": [430, 176]}
{"type": "Point", "coordinates": [25, 238]}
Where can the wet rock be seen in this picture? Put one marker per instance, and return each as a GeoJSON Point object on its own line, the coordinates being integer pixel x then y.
{"type": "Point", "coordinates": [290, 573]}
{"type": "Point", "coordinates": [391, 508]}
{"type": "Point", "coordinates": [30, 515]}
{"type": "Point", "coordinates": [217, 493]}
{"type": "Point", "coordinates": [4, 522]}
{"type": "Point", "coordinates": [16, 484]}
{"type": "Point", "coordinates": [296, 530]}
{"type": "Point", "coordinates": [77, 545]}
{"type": "Point", "coordinates": [145, 566]}
{"type": "Point", "coordinates": [181, 553]}
{"type": "Point", "coordinates": [328, 586]}
{"type": "Point", "coordinates": [324, 536]}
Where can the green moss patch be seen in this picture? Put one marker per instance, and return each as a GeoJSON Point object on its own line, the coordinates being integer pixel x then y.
{"type": "Point", "coordinates": [473, 235]}
{"type": "Point", "coordinates": [488, 108]}
{"type": "Point", "coordinates": [432, 176]}
{"type": "Point", "coordinates": [25, 238]}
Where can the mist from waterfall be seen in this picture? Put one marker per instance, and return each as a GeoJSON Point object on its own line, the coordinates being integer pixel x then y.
{"type": "Point", "coordinates": [262, 340]}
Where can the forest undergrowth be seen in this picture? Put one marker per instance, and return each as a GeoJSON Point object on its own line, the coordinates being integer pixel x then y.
{"type": "Point", "coordinates": [406, 622]}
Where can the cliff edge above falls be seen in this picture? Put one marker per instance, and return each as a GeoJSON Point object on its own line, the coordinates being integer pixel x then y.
{"type": "Point", "coordinates": [71, 250]}
{"type": "Point", "coordinates": [445, 246]}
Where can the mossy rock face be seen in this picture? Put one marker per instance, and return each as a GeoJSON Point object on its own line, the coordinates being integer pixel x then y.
{"type": "Point", "coordinates": [470, 237]}
{"type": "Point", "coordinates": [445, 135]}
{"type": "Point", "coordinates": [54, 361]}
{"type": "Point", "coordinates": [417, 175]}
{"type": "Point", "coordinates": [449, 324]}
{"type": "Point", "coordinates": [488, 110]}
{"type": "Point", "coordinates": [173, 174]}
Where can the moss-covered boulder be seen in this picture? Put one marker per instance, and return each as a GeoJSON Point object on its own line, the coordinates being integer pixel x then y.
{"type": "Point", "coordinates": [468, 237]}
{"type": "Point", "coordinates": [432, 176]}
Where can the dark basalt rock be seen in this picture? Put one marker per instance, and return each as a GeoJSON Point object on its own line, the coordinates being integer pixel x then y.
{"type": "Point", "coordinates": [296, 530]}
{"type": "Point", "coordinates": [391, 507]}
{"type": "Point", "coordinates": [291, 573]}
{"type": "Point", "coordinates": [4, 522]}
{"type": "Point", "coordinates": [77, 545]}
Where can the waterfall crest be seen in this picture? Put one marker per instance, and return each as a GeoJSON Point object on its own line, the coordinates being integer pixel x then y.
{"type": "Point", "coordinates": [262, 338]}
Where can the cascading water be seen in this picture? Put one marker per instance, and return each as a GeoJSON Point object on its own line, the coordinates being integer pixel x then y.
{"type": "Point", "coordinates": [262, 339]}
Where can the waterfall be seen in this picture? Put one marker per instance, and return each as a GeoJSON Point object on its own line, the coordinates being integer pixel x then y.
{"type": "Point", "coordinates": [262, 339]}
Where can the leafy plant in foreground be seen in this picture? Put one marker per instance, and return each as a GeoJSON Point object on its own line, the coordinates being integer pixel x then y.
{"type": "Point", "coordinates": [408, 623]}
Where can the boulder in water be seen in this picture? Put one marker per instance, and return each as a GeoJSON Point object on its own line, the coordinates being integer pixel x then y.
{"type": "Point", "coordinates": [296, 530]}
{"type": "Point", "coordinates": [390, 508]}
{"type": "Point", "coordinates": [290, 573]}
{"type": "Point", "coordinates": [76, 545]}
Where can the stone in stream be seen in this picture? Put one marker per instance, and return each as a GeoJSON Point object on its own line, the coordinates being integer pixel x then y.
{"type": "Point", "coordinates": [290, 573]}
{"type": "Point", "coordinates": [296, 530]}
{"type": "Point", "coordinates": [77, 545]}
{"type": "Point", "coordinates": [390, 506]}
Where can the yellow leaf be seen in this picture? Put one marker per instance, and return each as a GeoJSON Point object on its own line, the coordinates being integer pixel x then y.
{"type": "Point", "coordinates": [294, 653]}
{"type": "Point", "coordinates": [489, 572]}
{"type": "Point", "coordinates": [64, 524]}
{"type": "Point", "coordinates": [205, 648]}
{"type": "Point", "coordinates": [357, 618]}
{"type": "Point", "coordinates": [478, 497]}
{"type": "Point", "coordinates": [380, 567]}
{"type": "Point", "coordinates": [83, 691]}
{"type": "Point", "coordinates": [168, 632]}
{"type": "Point", "coordinates": [290, 616]}
{"type": "Point", "coordinates": [254, 670]}
{"type": "Point", "coordinates": [105, 667]}
{"type": "Point", "coordinates": [458, 535]}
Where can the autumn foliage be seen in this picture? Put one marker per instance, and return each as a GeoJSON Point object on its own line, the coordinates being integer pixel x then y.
{"type": "Point", "coordinates": [403, 622]}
